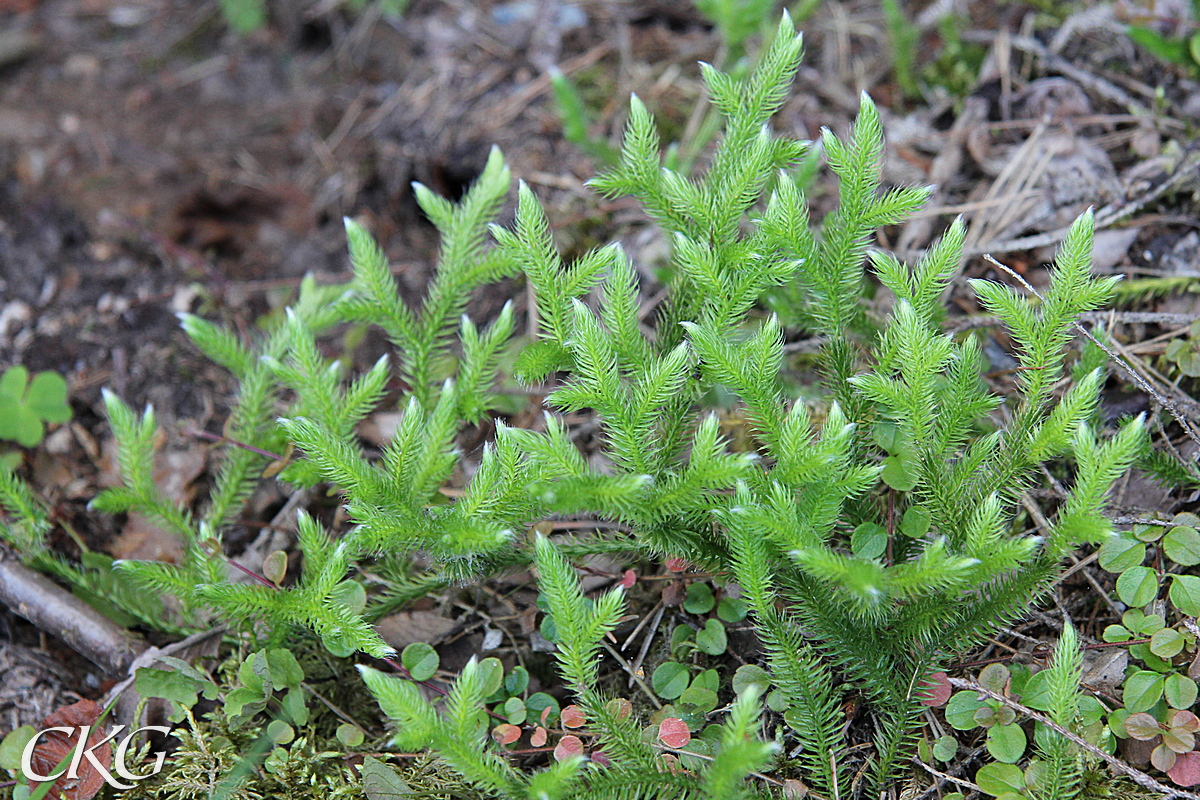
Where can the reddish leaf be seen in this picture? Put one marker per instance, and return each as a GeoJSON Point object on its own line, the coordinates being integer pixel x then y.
{"type": "Point", "coordinates": [600, 759]}
{"type": "Point", "coordinates": [1142, 726]}
{"type": "Point", "coordinates": [1186, 771]}
{"type": "Point", "coordinates": [676, 564]}
{"type": "Point", "coordinates": [620, 708]}
{"type": "Point", "coordinates": [538, 739]}
{"type": "Point", "coordinates": [55, 745]}
{"type": "Point", "coordinates": [573, 717]}
{"type": "Point", "coordinates": [505, 733]}
{"type": "Point", "coordinates": [545, 714]}
{"type": "Point", "coordinates": [568, 746]}
{"type": "Point", "coordinates": [671, 763]}
{"type": "Point", "coordinates": [629, 579]}
{"type": "Point", "coordinates": [674, 732]}
{"type": "Point", "coordinates": [1185, 720]}
{"type": "Point", "coordinates": [935, 690]}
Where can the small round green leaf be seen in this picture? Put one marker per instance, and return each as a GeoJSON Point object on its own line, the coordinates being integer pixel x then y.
{"type": "Point", "coordinates": [987, 716]}
{"type": "Point", "coordinates": [548, 629]}
{"type": "Point", "coordinates": [1091, 710]}
{"type": "Point", "coordinates": [491, 673]}
{"type": "Point", "coordinates": [999, 779]}
{"type": "Point", "coordinates": [515, 711]}
{"type": "Point", "coordinates": [732, 609]}
{"type": "Point", "coordinates": [1185, 594]}
{"type": "Point", "coordinates": [540, 703]}
{"type": "Point", "coordinates": [994, 677]}
{"type": "Point", "coordinates": [274, 566]}
{"type": "Point", "coordinates": [869, 540]}
{"type": "Point", "coordinates": [711, 639]}
{"type": "Point", "coordinates": [1006, 743]}
{"type": "Point", "coordinates": [1116, 633]}
{"type": "Point", "coordinates": [421, 660]}
{"type": "Point", "coordinates": [1142, 623]}
{"type": "Point", "coordinates": [1142, 726]}
{"type": "Point", "coordinates": [887, 435]}
{"type": "Point", "coordinates": [945, 748]}
{"type": "Point", "coordinates": [1179, 690]}
{"type": "Point", "coordinates": [915, 523]}
{"type": "Point", "coordinates": [1120, 552]}
{"type": "Point", "coordinates": [1182, 545]}
{"type": "Point", "coordinates": [699, 599]}
{"type": "Point", "coordinates": [1148, 533]}
{"type": "Point", "coordinates": [285, 669]}
{"type": "Point", "coordinates": [1166, 643]}
{"type": "Point", "coordinates": [960, 710]}
{"type": "Point", "coordinates": [280, 732]}
{"type": "Point", "coordinates": [1036, 692]}
{"type": "Point", "coordinates": [1142, 690]}
{"type": "Point", "coordinates": [705, 700]}
{"type": "Point", "coordinates": [708, 679]}
{"type": "Point", "coordinates": [13, 745]}
{"type": "Point", "coordinates": [48, 397]}
{"type": "Point", "coordinates": [898, 474]}
{"type": "Point", "coordinates": [1137, 586]}
{"type": "Point", "coordinates": [517, 681]}
{"type": "Point", "coordinates": [351, 594]}
{"type": "Point", "coordinates": [670, 679]}
{"type": "Point", "coordinates": [338, 645]}
{"type": "Point", "coordinates": [349, 735]}
{"type": "Point", "coordinates": [750, 674]}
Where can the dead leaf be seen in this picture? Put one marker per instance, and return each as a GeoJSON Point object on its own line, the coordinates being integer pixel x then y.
{"type": "Point", "coordinates": [401, 630]}
{"type": "Point", "coordinates": [1186, 771]}
{"type": "Point", "coordinates": [176, 471]}
{"type": "Point", "coordinates": [143, 540]}
{"type": "Point", "coordinates": [54, 746]}
{"type": "Point", "coordinates": [380, 428]}
{"type": "Point", "coordinates": [1104, 670]}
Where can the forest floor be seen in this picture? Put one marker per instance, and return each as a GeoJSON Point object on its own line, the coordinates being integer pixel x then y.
{"type": "Point", "coordinates": [154, 162]}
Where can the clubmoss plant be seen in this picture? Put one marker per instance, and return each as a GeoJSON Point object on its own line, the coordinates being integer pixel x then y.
{"type": "Point", "coordinates": [869, 547]}
{"type": "Point", "coordinates": [873, 538]}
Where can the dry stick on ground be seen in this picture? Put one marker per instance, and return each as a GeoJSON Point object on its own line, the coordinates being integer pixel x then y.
{"type": "Point", "coordinates": [641, 656]}
{"type": "Point", "coordinates": [1142, 383]}
{"type": "Point", "coordinates": [1150, 374]}
{"type": "Point", "coordinates": [57, 611]}
{"type": "Point", "coordinates": [1186, 170]}
{"type": "Point", "coordinates": [641, 683]}
{"type": "Point", "coordinates": [1136, 775]}
{"type": "Point", "coordinates": [949, 775]}
{"type": "Point", "coordinates": [1125, 317]}
{"type": "Point", "coordinates": [945, 778]}
{"type": "Point", "coordinates": [945, 167]}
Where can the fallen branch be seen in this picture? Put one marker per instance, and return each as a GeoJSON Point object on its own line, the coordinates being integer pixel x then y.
{"type": "Point", "coordinates": [57, 611]}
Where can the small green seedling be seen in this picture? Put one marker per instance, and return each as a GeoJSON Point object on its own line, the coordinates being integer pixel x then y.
{"type": "Point", "coordinates": [25, 406]}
